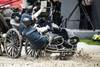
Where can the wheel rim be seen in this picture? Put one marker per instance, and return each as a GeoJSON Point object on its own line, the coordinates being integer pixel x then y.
{"type": "Point", "coordinates": [13, 43]}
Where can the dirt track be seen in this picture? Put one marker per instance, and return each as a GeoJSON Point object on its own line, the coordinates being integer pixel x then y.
{"type": "Point", "coordinates": [86, 56]}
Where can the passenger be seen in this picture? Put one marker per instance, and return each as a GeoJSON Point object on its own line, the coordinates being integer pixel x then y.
{"type": "Point", "coordinates": [15, 20]}
{"type": "Point", "coordinates": [37, 40]}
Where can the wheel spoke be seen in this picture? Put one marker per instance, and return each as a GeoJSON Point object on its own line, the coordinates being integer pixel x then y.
{"type": "Point", "coordinates": [9, 44]}
{"type": "Point", "coordinates": [15, 51]}
{"type": "Point", "coordinates": [33, 52]}
{"type": "Point", "coordinates": [12, 52]}
{"type": "Point", "coordinates": [29, 51]}
{"type": "Point", "coordinates": [17, 48]}
{"type": "Point", "coordinates": [9, 50]}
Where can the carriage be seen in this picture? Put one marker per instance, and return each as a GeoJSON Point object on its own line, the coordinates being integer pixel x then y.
{"type": "Point", "coordinates": [64, 42]}
{"type": "Point", "coordinates": [57, 44]}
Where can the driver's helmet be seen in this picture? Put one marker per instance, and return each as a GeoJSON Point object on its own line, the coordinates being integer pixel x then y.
{"type": "Point", "coordinates": [26, 19]}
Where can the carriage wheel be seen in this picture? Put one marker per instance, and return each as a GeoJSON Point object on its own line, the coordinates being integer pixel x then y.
{"type": "Point", "coordinates": [13, 44]}
{"type": "Point", "coordinates": [31, 52]}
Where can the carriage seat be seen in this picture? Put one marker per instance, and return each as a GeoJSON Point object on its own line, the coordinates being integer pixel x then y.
{"type": "Point", "coordinates": [15, 20]}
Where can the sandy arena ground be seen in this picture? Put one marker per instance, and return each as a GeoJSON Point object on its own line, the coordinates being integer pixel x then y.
{"type": "Point", "coordinates": [86, 56]}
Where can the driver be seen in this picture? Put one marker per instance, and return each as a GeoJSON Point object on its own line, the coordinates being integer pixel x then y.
{"type": "Point", "coordinates": [32, 33]}
{"type": "Point", "coordinates": [37, 40]}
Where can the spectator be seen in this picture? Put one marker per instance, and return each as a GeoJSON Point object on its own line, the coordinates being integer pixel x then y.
{"type": "Point", "coordinates": [84, 23]}
{"type": "Point", "coordinates": [56, 11]}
